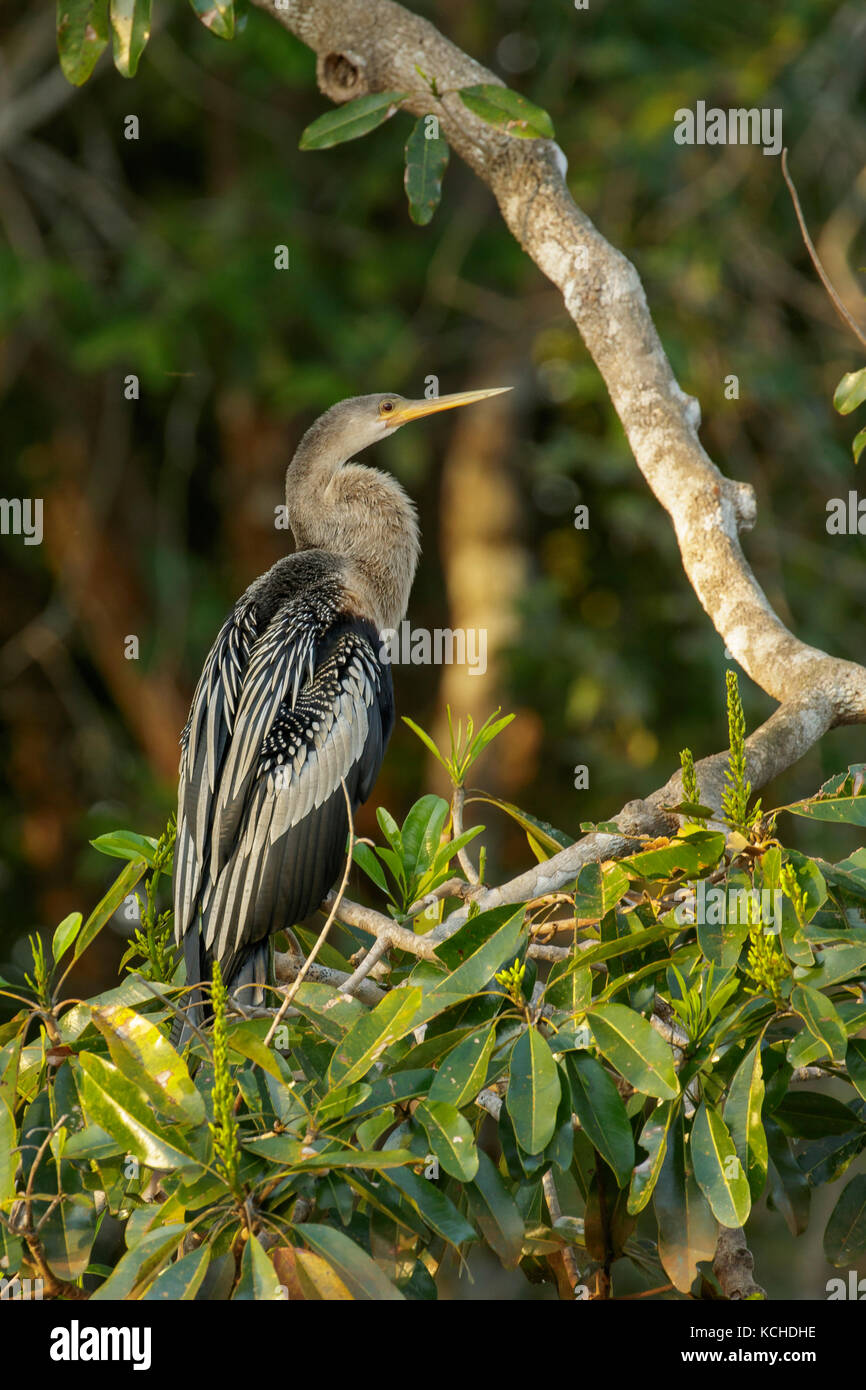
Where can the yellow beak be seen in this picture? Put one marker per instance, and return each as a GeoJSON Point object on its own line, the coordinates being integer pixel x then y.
{"type": "Point", "coordinates": [415, 410]}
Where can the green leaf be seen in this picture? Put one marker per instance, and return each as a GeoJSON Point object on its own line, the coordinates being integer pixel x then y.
{"type": "Point", "coordinates": [248, 1038]}
{"type": "Point", "coordinates": [425, 739]}
{"type": "Point", "coordinates": [495, 1212]}
{"type": "Point", "coordinates": [258, 1279]}
{"type": "Point", "coordinates": [400, 1086]}
{"type": "Point", "coordinates": [432, 1205]}
{"type": "Point", "coordinates": [842, 810]}
{"type": "Point", "coordinates": [130, 23]}
{"type": "Point", "coordinates": [598, 890]}
{"type": "Point", "coordinates": [499, 944]}
{"type": "Point", "coordinates": [65, 934]}
{"type": "Point", "coordinates": [117, 1105]}
{"type": "Point", "coordinates": [339, 1101]}
{"type": "Point", "coordinates": [126, 844]}
{"type": "Point", "coordinates": [569, 986]}
{"type": "Point", "coordinates": [547, 836]}
{"type": "Point", "coordinates": [181, 1281]}
{"type": "Point", "coordinates": [560, 1150]}
{"type": "Point", "coordinates": [855, 1062]}
{"type": "Point", "coordinates": [821, 1019]}
{"type": "Point", "coordinates": [133, 992]}
{"type": "Point", "coordinates": [533, 1091]}
{"type": "Point", "coordinates": [692, 851]}
{"type": "Point", "coordinates": [216, 15]}
{"type": "Point", "coordinates": [837, 963]}
{"type": "Point", "coordinates": [139, 1050]}
{"type": "Point", "coordinates": [858, 444]}
{"type": "Point", "coordinates": [635, 1049]}
{"type": "Point", "coordinates": [451, 1138]}
{"type": "Point", "coordinates": [718, 1170]}
{"type": "Point", "coordinates": [352, 120]}
{"type": "Point", "coordinates": [8, 1155]}
{"type": "Point", "coordinates": [631, 942]}
{"type": "Point", "coordinates": [811, 1115]}
{"type": "Point", "coordinates": [139, 1264]}
{"type": "Point", "coordinates": [687, 1228]}
{"type": "Point", "coordinates": [845, 1236]}
{"type": "Point", "coordinates": [599, 1107]}
{"type": "Point", "coordinates": [654, 1140]}
{"type": "Point", "coordinates": [375, 1159]}
{"type": "Point", "coordinates": [82, 35]}
{"type": "Point", "coordinates": [107, 906]}
{"type": "Point", "coordinates": [313, 1275]}
{"type": "Point", "coordinates": [361, 1275]}
{"type": "Point", "coordinates": [721, 941]}
{"type": "Point", "coordinates": [507, 110]}
{"type": "Point", "coordinates": [850, 392]}
{"type": "Point", "coordinates": [421, 833]}
{"type": "Point", "coordinates": [743, 1117]}
{"type": "Point", "coordinates": [397, 1014]}
{"type": "Point", "coordinates": [463, 1072]}
{"type": "Point", "coordinates": [824, 1160]}
{"type": "Point", "coordinates": [365, 858]}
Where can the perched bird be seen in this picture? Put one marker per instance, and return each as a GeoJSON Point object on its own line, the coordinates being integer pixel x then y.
{"type": "Point", "coordinates": [294, 699]}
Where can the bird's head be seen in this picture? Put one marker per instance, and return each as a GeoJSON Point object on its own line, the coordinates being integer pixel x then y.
{"type": "Point", "coordinates": [355, 424]}
{"type": "Point", "coordinates": [356, 512]}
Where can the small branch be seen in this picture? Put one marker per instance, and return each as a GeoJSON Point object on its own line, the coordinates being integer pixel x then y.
{"type": "Point", "coordinates": [457, 800]}
{"type": "Point", "coordinates": [733, 1265]}
{"type": "Point", "coordinates": [377, 924]}
{"type": "Point", "coordinates": [453, 888]}
{"type": "Point", "coordinates": [537, 952]}
{"type": "Point", "coordinates": [569, 1260]}
{"type": "Point", "coordinates": [375, 953]}
{"type": "Point", "coordinates": [835, 299]}
{"type": "Point", "coordinates": [287, 965]}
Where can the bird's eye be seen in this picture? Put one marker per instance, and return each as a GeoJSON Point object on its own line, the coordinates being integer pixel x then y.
{"type": "Point", "coordinates": [386, 407]}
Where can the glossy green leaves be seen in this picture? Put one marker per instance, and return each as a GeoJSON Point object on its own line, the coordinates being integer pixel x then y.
{"type": "Point", "coordinates": [426, 161]}
{"type": "Point", "coordinates": [533, 1091]}
{"type": "Point", "coordinates": [507, 111]}
{"type": "Point", "coordinates": [349, 122]}
{"type": "Point", "coordinates": [635, 1049]}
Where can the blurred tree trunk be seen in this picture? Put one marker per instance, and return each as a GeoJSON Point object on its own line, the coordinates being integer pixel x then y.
{"type": "Point", "coordinates": [485, 567]}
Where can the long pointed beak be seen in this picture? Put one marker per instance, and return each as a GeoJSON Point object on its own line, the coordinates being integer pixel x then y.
{"type": "Point", "coordinates": [414, 410]}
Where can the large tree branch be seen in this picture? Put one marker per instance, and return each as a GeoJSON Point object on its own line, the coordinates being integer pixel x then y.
{"type": "Point", "coordinates": [785, 737]}
{"type": "Point", "coordinates": [376, 45]}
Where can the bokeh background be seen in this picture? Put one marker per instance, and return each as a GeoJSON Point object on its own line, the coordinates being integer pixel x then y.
{"type": "Point", "coordinates": [155, 257]}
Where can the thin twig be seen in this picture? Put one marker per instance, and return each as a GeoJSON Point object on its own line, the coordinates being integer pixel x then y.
{"type": "Point", "coordinates": [377, 924]}
{"type": "Point", "coordinates": [815, 259]}
{"type": "Point", "coordinates": [287, 965]}
{"type": "Point", "coordinates": [375, 953]}
{"type": "Point", "coordinates": [453, 888]}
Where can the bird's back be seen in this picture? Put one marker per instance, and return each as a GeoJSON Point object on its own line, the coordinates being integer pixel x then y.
{"type": "Point", "coordinates": [293, 701]}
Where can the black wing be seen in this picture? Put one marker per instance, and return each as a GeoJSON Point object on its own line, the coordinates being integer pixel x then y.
{"type": "Point", "coordinates": [284, 710]}
{"type": "Point", "coordinates": [291, 838]}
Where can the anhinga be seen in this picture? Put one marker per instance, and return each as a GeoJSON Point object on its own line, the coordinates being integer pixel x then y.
{"type": "Point", "coordinates": [293, 700]}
